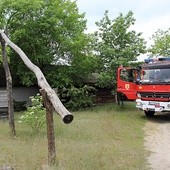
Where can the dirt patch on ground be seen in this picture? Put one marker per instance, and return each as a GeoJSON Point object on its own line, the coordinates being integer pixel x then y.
{"type": "Point", "coordinates": [157, 140]}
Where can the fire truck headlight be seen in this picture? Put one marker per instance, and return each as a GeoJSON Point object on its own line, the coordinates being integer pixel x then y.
{"type": "Point", "coordinates": [138, 103]}
{"type": "Point", "coordinates": [168, 105]}
{"type": "Point", "coordinates": [138, 95]}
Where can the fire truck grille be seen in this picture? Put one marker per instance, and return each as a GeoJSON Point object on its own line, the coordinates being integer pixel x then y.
{"type": "Point", "coordinates": [155, 96]}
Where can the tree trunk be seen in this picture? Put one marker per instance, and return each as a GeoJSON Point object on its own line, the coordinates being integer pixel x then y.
{"type": "Point", "coordinates": [9, 87]}
{"type": "Point", "coordinates": [50, 129]}
{"type": "Point", "coordinates": [42, 82]}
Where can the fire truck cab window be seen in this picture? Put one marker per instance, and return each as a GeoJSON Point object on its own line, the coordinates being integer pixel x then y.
{"type": "Point", "coordinates": [126, 75]}
{"type": "Point", "coordinates": [157, 75]}
{"type": "Point", "coordinates": [152, 75]}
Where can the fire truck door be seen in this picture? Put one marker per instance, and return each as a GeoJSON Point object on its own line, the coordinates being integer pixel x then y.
{"type": "Point", "coordinates": [126, 83]}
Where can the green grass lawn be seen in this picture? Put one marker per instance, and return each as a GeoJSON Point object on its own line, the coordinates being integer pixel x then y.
{"type": "Point", "coordinates": [105, 137]}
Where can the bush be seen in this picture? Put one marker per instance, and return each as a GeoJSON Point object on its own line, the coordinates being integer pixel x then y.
{"type": "Point", "coordinates": [35, 114]}
{"type": "Point", "coordinates": [80, 97]}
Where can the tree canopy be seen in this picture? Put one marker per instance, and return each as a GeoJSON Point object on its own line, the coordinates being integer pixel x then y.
{"type": "Point", "coordinates": [116, 44]}
{"type": "Point", "coordinates": [47, 31]}
{"type": "Point", "coordinates": [161, 43]}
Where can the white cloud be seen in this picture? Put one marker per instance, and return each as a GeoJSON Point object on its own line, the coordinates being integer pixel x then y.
{"type": "Point", "coordinates": [149, 27]}
{"type": "Point", "coordinates": [150, 15]}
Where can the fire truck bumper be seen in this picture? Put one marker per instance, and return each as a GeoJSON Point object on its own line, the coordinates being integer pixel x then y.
{"type": "Point", "coordinates": [152, 105]}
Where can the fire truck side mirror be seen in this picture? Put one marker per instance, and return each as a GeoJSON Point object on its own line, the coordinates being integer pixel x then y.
{"type": "Point", "coordinates": [143, 72]}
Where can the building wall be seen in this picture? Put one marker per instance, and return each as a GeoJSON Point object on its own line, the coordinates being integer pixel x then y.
{"type": "Point", "coordinates": [23, 93]}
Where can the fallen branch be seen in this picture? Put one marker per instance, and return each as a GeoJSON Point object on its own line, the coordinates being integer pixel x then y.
{"type": "Point", "coordinates": [42, 82]}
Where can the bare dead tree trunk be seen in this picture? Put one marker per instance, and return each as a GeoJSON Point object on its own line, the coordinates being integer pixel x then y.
{"type": "Point", "coordinates": [50, 128]}
{"type": "Point", "coordinates": [9, 87]}
{"type": "Point", "coordinates": [42, 82]}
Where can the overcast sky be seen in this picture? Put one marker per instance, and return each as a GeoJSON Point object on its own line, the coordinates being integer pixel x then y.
{"type": "Point", "coordinates": [150, 15]}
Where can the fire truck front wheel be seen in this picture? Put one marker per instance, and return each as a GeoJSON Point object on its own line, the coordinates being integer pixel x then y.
{"type": "Point", "coordinates": [149, 113]}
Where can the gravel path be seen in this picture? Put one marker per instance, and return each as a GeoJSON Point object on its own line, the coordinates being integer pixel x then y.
{"type": "Point", "coordinates": [157, 140]}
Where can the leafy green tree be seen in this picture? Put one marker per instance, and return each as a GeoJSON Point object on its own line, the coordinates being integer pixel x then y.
{"type": "Point", "coordinates": [47, 31]}
{"type": "Point", "coordinates": [161, 43]}
{"type": "Point", "coordinates": [116, 44]}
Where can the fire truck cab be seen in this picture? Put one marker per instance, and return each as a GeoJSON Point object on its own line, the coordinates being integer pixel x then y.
{"type": "Point", "coordinates": [126, 83]}
{"type": "Point", "coordinates": [150, 86]}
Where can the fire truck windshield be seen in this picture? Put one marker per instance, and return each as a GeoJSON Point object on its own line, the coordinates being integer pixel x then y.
{"type": "Point", "coordinates": [155, 76]}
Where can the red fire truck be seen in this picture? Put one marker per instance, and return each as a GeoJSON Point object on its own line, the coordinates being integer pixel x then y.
{"type": "Point", "coordinates": [148, 84]}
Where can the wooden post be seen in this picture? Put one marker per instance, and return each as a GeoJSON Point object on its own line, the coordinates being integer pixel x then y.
{"type": "Point", "coordinates": [9, 87]}
{"type": "Point", "coordinates": [50, 128]}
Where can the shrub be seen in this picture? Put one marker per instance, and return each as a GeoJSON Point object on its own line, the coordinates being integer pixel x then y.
{"type": "Point", "coordinates": [80, 97]}
{"type": "Point", "coordinates": [35, 114]}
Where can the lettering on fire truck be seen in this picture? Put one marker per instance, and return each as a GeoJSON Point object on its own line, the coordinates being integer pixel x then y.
{"type": "Point", "coordinates": [140, 87]}
{"type": "Point", "coordinates": [127, 86]}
